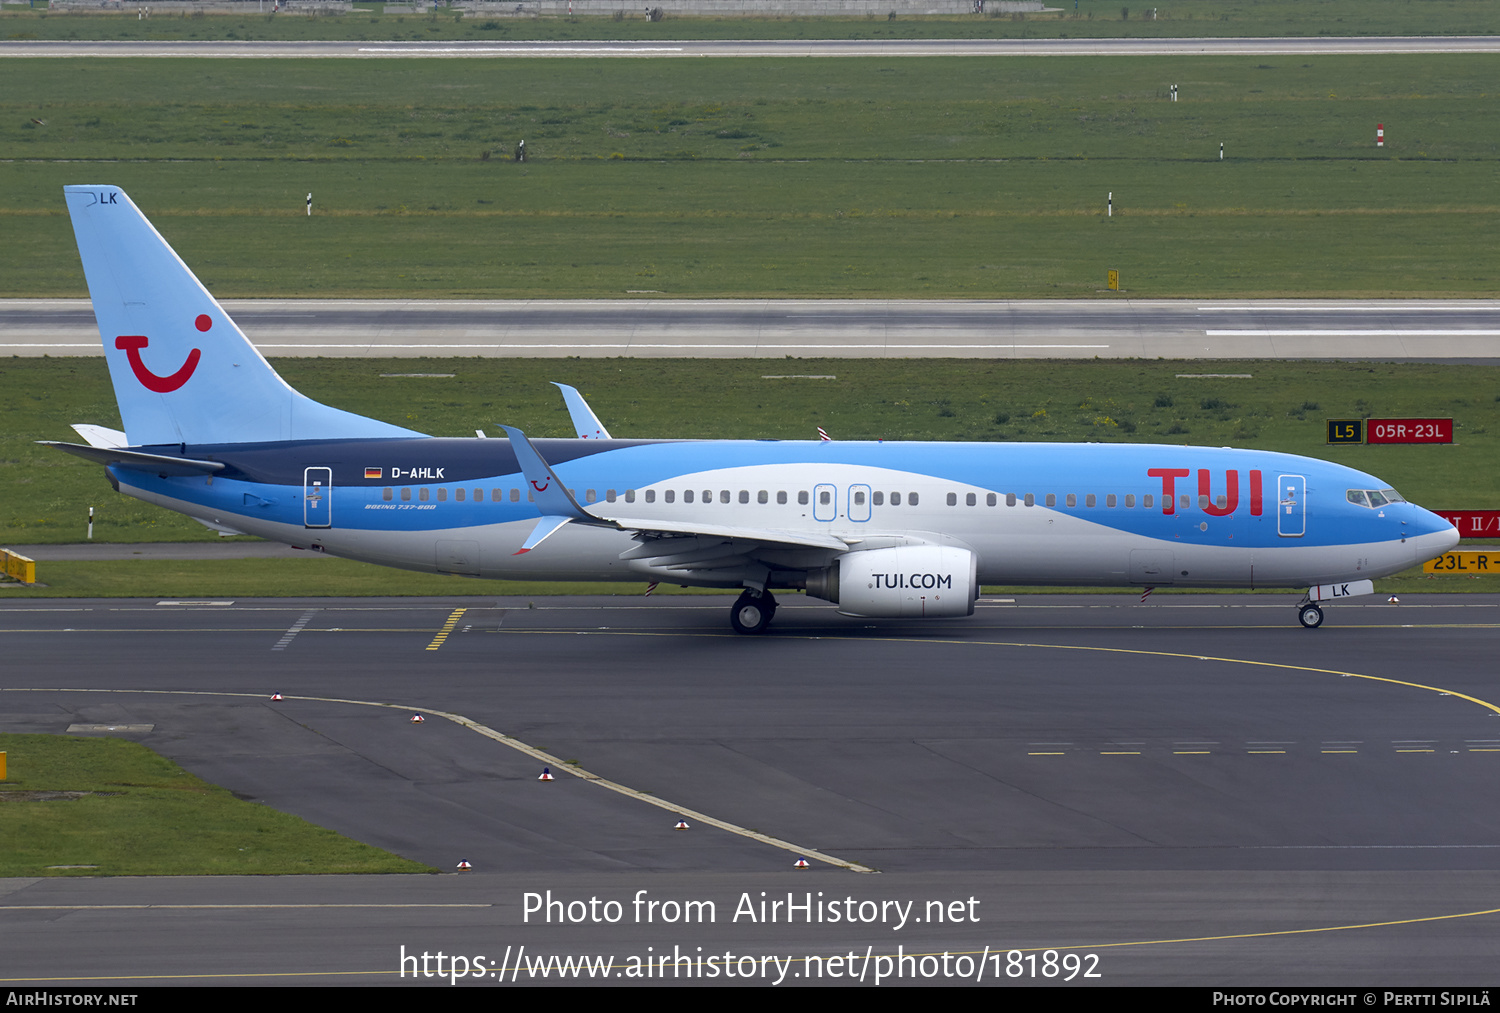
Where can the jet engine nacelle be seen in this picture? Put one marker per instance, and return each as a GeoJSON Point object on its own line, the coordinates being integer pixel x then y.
{"type": "Point", "coordinates": [907, 581]}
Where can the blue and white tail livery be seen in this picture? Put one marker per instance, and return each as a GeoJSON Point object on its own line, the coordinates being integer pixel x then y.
{"type": "Point", "coordinates": [883, 530]}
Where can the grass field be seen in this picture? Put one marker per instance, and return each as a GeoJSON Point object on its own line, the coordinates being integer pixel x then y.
{"type": "Point", "coordinates": [1085, 19]}
{"type": "Point", "coordinates": [142, 815]}
{"type": "Point", "coordinates": [927, 178]}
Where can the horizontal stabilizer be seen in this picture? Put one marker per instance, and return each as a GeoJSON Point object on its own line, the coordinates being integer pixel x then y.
{"type": "Point", "coordinates": [99, 436]}
{"type": "Point", "coordinates": [161, 464]}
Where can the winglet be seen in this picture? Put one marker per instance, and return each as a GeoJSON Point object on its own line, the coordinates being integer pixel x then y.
{"type": "Point", "coordinates": [552, 497]}
{"type": "Point", "coordinates": [544, 529]}
{"type": "Point", "coordinates": [584, 420]}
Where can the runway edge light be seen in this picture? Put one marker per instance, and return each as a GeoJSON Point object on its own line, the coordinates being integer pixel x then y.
{"type": "Point", "coordinates": [546, 774]}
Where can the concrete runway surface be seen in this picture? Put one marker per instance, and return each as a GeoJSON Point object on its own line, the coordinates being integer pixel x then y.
{"type": "Point", "coordinates": [1322, 45]}
{"type": "Point", "coordinates": [1406, 330]}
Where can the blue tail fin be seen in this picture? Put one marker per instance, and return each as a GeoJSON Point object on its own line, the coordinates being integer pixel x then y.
{"type": "Point", "coordinates": [182, 371]}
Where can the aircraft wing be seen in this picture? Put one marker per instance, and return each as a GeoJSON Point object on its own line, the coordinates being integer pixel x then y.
{"type": "Point", "coordinates": [800, 539]}
{"type": "Point", "coordinates": [558, 508]}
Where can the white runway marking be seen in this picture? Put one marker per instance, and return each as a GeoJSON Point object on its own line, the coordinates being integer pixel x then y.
{"type": "Point", "coordinates": [1382, 332]}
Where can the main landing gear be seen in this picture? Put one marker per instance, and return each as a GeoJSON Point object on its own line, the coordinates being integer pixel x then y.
{"type": "Point", "coordinates": [752, 611]}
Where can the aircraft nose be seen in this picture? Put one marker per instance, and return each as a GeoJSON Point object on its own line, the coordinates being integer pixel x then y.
{"type": "Point", "coordinates": [1430, 534]}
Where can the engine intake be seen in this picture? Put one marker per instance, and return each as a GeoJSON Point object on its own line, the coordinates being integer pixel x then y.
{"type": "Point", "coordinates": [907, 581]}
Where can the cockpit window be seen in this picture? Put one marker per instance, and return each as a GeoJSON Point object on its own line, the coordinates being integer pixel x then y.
{"type": "Point", "coordinates": [1376, 500]}
{"type": "Point", "coordinates": [1373, 498]}
{"type": "Point", "coordinates": [1357, 497]}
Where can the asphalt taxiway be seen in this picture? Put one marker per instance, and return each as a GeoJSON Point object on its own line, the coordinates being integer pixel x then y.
{"type": "Point", "coordinates": [1193, 789]}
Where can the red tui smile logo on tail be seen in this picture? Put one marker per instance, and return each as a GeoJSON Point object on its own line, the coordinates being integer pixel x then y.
{"type": "Point", "coordinates": [132, 345]}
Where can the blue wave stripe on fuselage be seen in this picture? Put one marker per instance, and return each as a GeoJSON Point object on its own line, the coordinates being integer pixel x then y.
{"type": "Point", "coordinates": [269, 478]}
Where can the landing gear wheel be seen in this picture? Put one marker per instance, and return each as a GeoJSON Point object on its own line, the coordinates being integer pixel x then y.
{"type": "Point", "coordinates": [752, 612]}
{"type": "Point", "coordinates": [1310, 616]}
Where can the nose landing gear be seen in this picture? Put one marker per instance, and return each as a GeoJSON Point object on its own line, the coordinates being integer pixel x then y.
{"type": "Point", "coordinates": [1309, 615]}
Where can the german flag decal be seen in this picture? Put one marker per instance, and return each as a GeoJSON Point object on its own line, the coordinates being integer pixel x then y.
{"type": "Point", "coordinates": [372, 473]}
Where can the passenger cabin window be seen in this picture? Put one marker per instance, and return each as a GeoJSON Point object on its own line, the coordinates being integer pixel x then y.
{"type": "Point", "coordinates": [1088, 500]}
{"type": "Point", "coordinates": [1052, 499]}
{"type": "Point", "coordinates": [442, 495]}
{"type": "Point", "coordinates": [781, 497]}
{"type": "Point", "coordinates": [1072, 499]}
{"type": "Point", "coordinates": [405, 495]}
{"type": "Point", "coordinates": [911, 499]}
{"type": "Point", "coordinates": [1109, 501]}
{"type": "Point", "coordinates": [971, 500]}
{"type": "Point", "coordinates": [668, 495]}
{"type": "Point", "coordinates": [895, 499]}
{"type": "Point", "coordinates": [763, 497]}
{"type": "Point", "coordinates": [1030, 500]}
{"type": "Point", "coordinates": [859, 497]}
{"type": "Point", "coordinates": [687, 496]}
{"type": "Point", "coordinates": [953, 499]}
{"type": "Point", "coordinates": [386, 494]}
{"type": "Point", "coordinates": [877, 498]}
{"type": "Point", "coordinates": [802, 497]}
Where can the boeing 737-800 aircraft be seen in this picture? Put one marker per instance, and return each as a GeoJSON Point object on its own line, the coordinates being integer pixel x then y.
{"type": "Point", "coordinates": [880, 529]}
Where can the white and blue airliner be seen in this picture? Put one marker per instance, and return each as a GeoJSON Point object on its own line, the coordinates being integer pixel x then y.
{"type": "Point", "coordinates": [880, 529]}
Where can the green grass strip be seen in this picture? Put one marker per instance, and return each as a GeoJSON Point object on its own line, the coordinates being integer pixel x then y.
{"type": "Point", "coordinates": [142, 815]}
{"type": "Point", "coordinates": [941, 177]}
